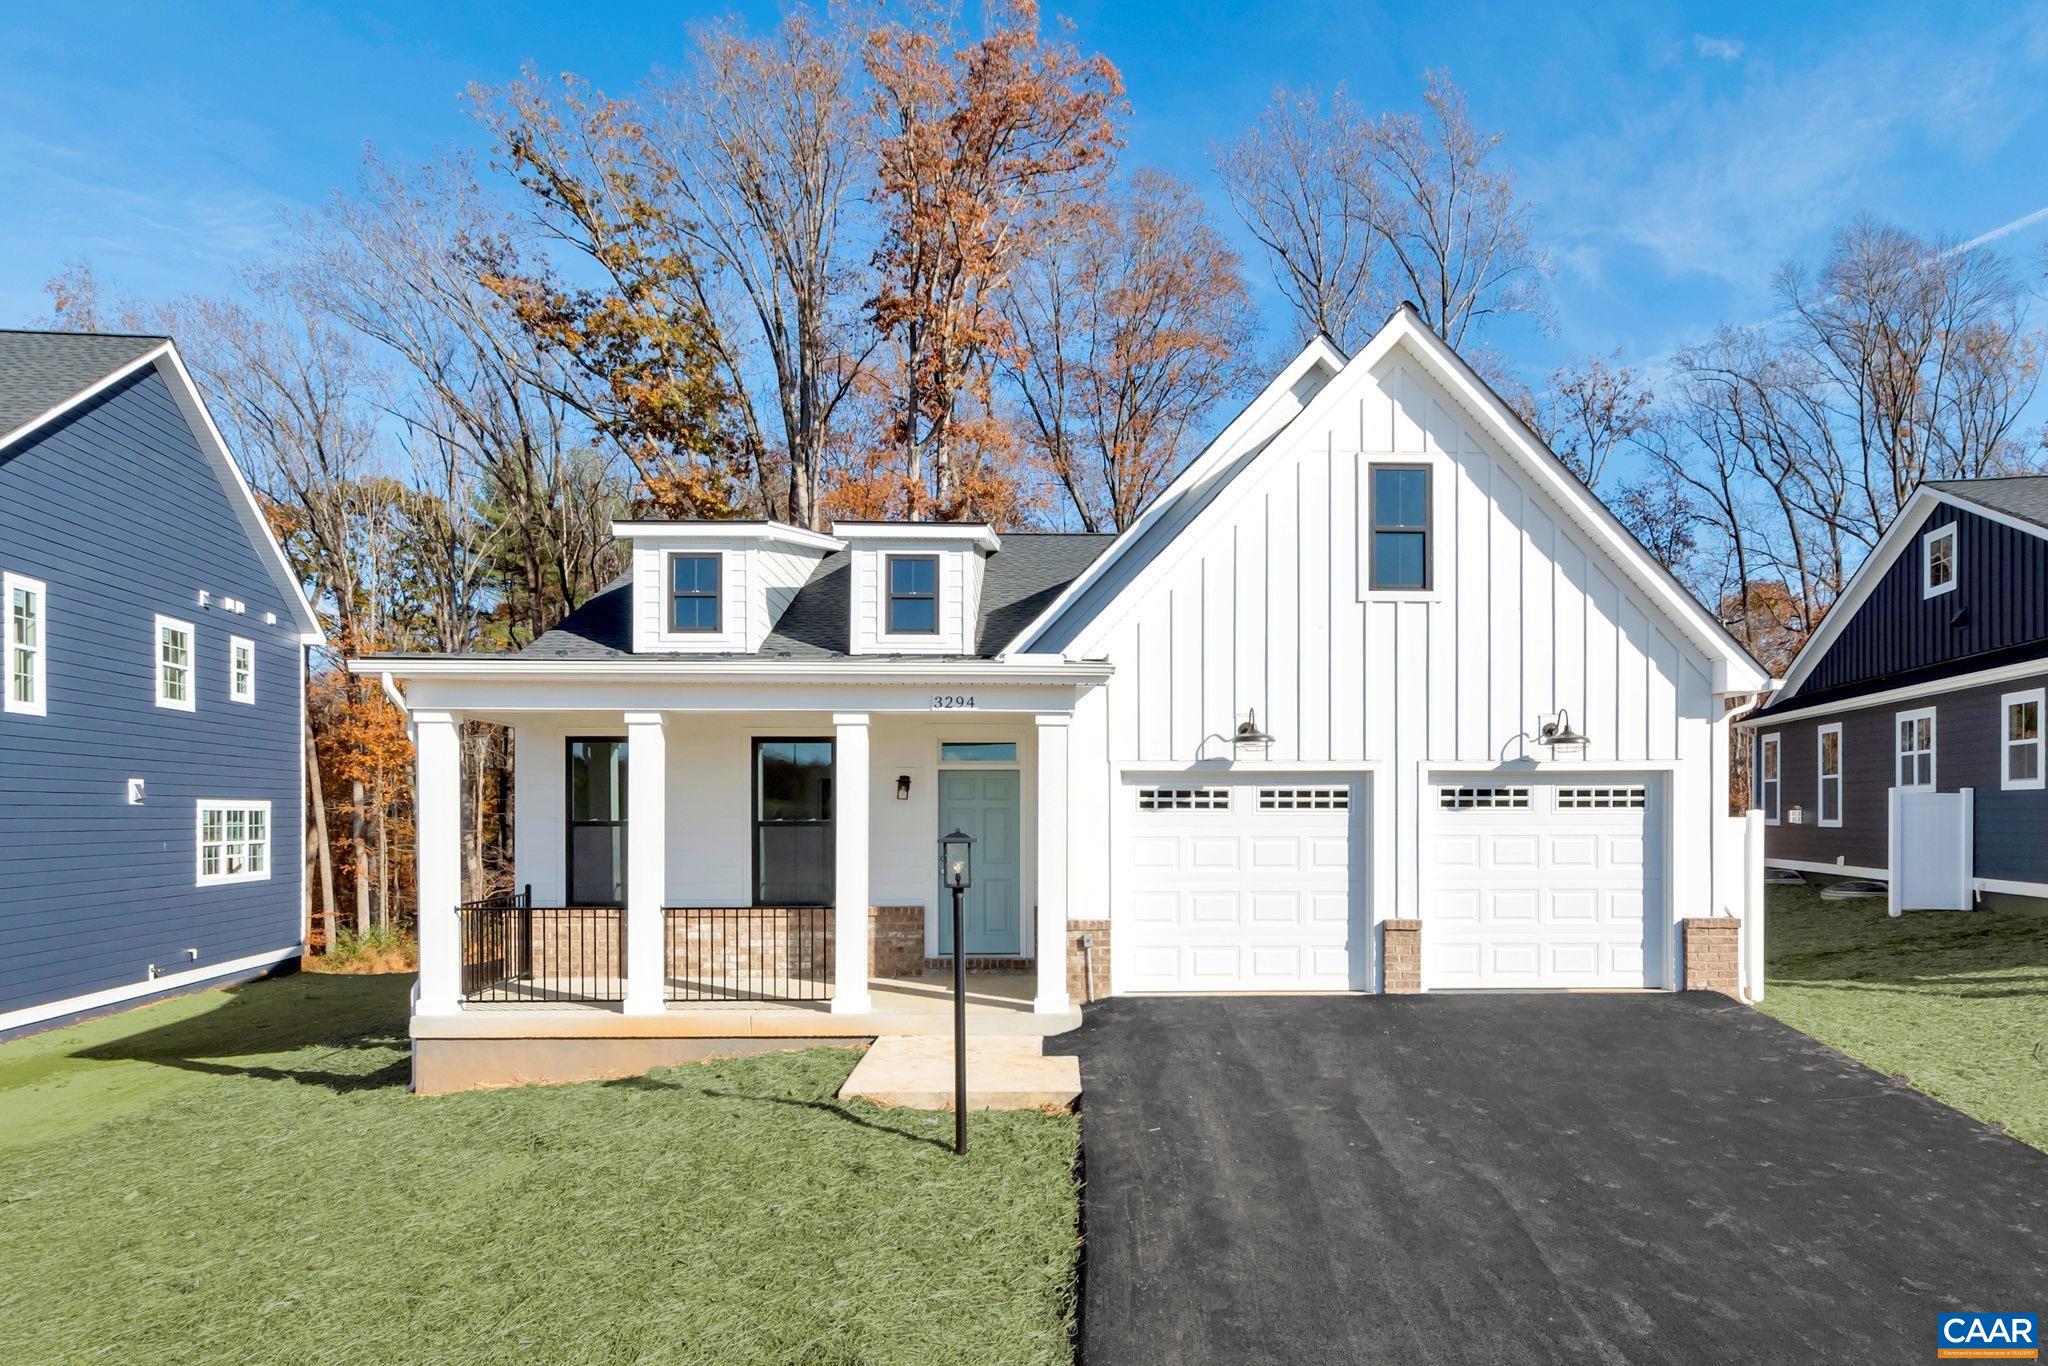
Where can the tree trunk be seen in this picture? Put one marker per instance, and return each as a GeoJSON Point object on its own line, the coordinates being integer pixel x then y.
{"type": "Point", "coordinates": [317, 798]}
{"type": "Point", "coordinates": [361, 859]}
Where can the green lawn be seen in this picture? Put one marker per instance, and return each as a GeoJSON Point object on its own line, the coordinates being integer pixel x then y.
{"type": "Point", "coordinates": [241, 1176]}
{"type": "Point", "coordinates": [1956, 1002]}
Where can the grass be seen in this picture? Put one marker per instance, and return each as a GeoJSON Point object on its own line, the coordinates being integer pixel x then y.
{"type": "Point", "coordinates": [1954, 1002]}
{"type": "Point", "coordinates": [241, 1176]}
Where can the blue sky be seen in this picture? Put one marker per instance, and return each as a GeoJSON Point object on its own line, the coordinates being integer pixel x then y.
{"type": "Point", "coordinates": [1676, 154]}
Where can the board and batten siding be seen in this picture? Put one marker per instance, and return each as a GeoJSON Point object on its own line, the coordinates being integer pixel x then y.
{"type": "Point", "coordinates": [117, 509]}
{"type": "Point", "coordinates": [1259, 604]}
{"type": "Point", "coordinates": [2011, 827]}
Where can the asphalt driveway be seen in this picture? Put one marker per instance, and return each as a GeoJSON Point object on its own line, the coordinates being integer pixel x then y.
{"type": "Point", "coordinates": [1527, 1178]}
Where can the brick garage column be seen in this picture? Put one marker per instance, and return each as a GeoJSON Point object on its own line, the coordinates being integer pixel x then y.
{"type": "Point", "coordinates": [646, 860]}
{"type": "Point", "coordinates": [1713, 955]}
{"type": "Point", "coordinates": [1401, 956]}
{"type": "Point", "coordinates": [850, 870]}
{"type": "Point", "coordinates": [437, 754]}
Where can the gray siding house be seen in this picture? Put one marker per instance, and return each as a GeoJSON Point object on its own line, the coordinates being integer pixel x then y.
{"type": "Point", "coordinates": [1929, 676]}
{"type": "Point", "coordinates": [152, 654]}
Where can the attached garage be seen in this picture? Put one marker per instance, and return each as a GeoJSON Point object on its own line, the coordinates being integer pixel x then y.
{"type": "Point", "coordinates": [1235, 884]}
{"type": "Point", "coordinates": [1543, 882]}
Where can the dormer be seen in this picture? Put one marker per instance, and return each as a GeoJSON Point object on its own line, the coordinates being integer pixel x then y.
{"type": "Point", "coordinates": [715, 587]}
{"type": "Point", "coordinates": [916, 586]}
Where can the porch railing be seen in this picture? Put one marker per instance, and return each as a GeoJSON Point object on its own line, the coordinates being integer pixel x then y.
{"type": "Point", "coordinates": [725, 953]}
{"type": "Point", "coordinates": [513, 950]}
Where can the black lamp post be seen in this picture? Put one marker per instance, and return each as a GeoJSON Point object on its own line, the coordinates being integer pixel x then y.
{"type": "Point", "coordinates": [956, 870]}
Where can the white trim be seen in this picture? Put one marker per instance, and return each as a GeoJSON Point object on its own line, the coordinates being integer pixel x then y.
{"type": "Point", "coordinates": [1821, 775]}
{"type": "Point", "coordinates": [1845, 869]}
{"type": "Point", "coordinates": [1318, 353]}
{"type": "Point", "coordinates": [977, 532]}
{"type": "Point", "coordinates": [980, 672]}
{"type": "Point", "coordinates": [1928, 540]}
{"type": "Point", "coordinates": [2004, 673]}
{"type": "Point", "coordinates": [724, 532]}
{"type": "Point", "coordinates": [2006, 744]}
{"type": "Point", "coordinates": [73, 1005]}
{"type": "Point", "coordinates": [1773, 807]}
{"type": "Point", "coordinates": [224, 805]}
{"type": "Point", "coordinates": [241, 643]}
{"type": "Point", "coordinates": [39, 705]}
{"type": "Point", "coordinates": [1933, 750]}
{"type": "Point", "coordinates": [190, 701]}
{"type": "Point", "coordinates": [1998, 884]}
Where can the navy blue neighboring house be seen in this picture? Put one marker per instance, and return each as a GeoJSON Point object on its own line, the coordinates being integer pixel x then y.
{"type": "Point", "coordinates": [1929, 675]}
{"type": "Point", "coordinates": [152, 656]}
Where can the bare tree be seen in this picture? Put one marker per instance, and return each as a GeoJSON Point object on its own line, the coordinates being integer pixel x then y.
{"type": "Point", "coordinates": [1589, 413]}
{"type": "Point", "coordinates": [1128, 326]}
{"type": "Point", "coordinates": [1296, 183]}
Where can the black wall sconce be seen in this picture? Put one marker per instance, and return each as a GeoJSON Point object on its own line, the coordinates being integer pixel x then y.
{"type": "Point", "coordinates": [903, 787]}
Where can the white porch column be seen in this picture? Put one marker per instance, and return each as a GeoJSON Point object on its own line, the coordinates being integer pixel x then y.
{"type": "Point", "coordinates": [646, 861]}
{"type": "Point", "coordinates": [1052, 864]}
{"type": "Point", "coordinates": [850, 859]}
{"type": "Point", "coordinates": [437, 753]}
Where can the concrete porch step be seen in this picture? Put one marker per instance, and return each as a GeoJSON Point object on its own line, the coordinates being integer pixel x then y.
{"type": "Point", "coordinates": [916, 1070]}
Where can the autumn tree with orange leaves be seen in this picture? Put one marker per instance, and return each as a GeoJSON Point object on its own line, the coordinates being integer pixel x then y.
{"type": "Point", "coordinates": [979, 143]}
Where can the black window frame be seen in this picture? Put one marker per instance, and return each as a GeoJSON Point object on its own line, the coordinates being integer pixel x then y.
{"type": "Point", "coordinates": [1427, 529]}
{"type": "Point", "coordinates": [891, 597]}
{"type": "Point", "coordinates": [754, 821]}
{"type": "Point", "coordinates": [570, 823]}
{"type": "Point", "coordinates": [716, 596]}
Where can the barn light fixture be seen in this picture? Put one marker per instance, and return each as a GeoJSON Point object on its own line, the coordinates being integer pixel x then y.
{"type": "Point", "coordinates": [1556, 733]}
{"type": "Point", "coordinates": [1248, 735]}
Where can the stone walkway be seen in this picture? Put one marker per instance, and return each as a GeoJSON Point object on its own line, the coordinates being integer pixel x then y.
{"type": "Point", "coordinates": [916, 1070]}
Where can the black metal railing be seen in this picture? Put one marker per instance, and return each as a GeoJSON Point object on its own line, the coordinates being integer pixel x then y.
{"type": "Point", "coordinates": [737, 953]}
{"type": "Point", "coordinates": [513, 950]}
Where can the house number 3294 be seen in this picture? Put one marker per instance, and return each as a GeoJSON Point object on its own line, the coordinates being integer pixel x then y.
{"type": "Point", "coordinates": [952, 701]}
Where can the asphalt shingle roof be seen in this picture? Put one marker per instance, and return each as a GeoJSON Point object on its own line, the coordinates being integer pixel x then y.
{"type": "Point", "coordinates": [39, 370]}
{"type": "Point", "coordinates": [2021, 495]}
{"type": "Point", "coordinates": [1020, 581]}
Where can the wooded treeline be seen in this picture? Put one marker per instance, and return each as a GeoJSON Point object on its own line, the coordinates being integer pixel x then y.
{"type": "Point", "coordinates": [894, 265]}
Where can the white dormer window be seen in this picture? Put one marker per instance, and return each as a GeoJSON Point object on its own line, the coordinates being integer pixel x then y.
{"type": "Point", "coordinates": [1938, 562]}
{"type": "Point", "coordinates": [693, 593]}
{"type": "Point", "coordinates": [913, 594]}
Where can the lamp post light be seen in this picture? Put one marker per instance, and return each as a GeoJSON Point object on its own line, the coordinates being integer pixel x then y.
{"type": "Point", "coordinates": [956, 870]}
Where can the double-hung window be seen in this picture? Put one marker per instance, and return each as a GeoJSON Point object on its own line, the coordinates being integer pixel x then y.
{"type": "Point", "coordinates": [913, 594]}
{"type": "Point", "coordinates": [174, 664]}
{"type": "Point", "coordinates": [1938, 561]}
{"type": "Point", "coordinates": [234, 841]}
{"type": "Point", "coordinates": [24, 642]}
{"type": "Point", "coordinates": [693, 593]}
{"type": "Point", "coordinates": [1401, 549]}
{"type": "Point", "coordinates": [1767, 788]}
{"type": "Point", "coordinates": [2020, 756]}
{"type": "Point", "coordinates": [241, 670]}
{"type": "Point", "coordinates": [1916, 750]}
{"type": "Point", "coordinates": [1830, 759]}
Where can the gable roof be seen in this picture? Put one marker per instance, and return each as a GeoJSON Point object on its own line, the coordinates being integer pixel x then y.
{"type": "Point", "coordinates": [44, 375]}
{"type": "Point", "coordinates": [1017, 582]}
{"type": "Point", "coordinates": [2019, 501]}
{"type": "Point", "coordinates": [40, 372]}
{"type": "Point", "coordinates": [1734, 669]}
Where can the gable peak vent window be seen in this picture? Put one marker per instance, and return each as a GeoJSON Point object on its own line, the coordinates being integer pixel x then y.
{"type": "Point", "coordinates": [913, 584]}
{"type": "Point", "coordinates": [1938, 561]}
{"type": "Point", "coordinates": [693, 605]}
{"type": "Point", "coordinates": [1401, 540]}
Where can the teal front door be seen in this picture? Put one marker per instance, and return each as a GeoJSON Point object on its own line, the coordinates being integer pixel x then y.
{"type": "Point", "coordinates": [985, 805]}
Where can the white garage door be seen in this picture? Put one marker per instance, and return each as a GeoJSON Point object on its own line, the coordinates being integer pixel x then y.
{"type": "Point", "coordinates": [1243, 886]}
{"type": "Point", "coordinates": [1543, 884]}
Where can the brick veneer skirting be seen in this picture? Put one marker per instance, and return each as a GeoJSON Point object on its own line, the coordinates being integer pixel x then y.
{"type": "Point", "coordinates": [1083, 984]}
{"type": "Point", "coordinates": [895, 941]}
{"type": "Point", "coordinates": [1713, 949]}
{"type": "Point", "coordinates": [1401, 955]}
